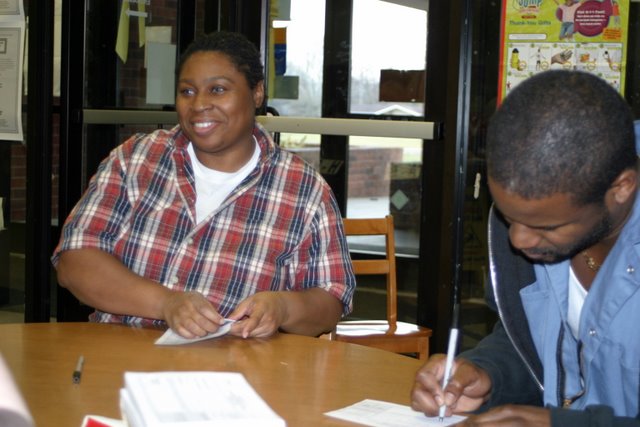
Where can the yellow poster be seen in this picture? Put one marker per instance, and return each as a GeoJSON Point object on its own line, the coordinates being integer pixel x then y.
{"type": "Point", "coordinates": [585, 35]}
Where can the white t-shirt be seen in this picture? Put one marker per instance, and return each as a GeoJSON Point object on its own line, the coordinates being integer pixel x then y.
{"type": "Point", "coordinates": [213, 186]}
{"type": "Point", "coordinates": [577, 295]}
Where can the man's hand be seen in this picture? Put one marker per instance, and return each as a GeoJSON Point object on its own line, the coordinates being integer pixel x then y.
{"type": "Point", "coordinates": [190, 314]}
{"type": "Point", "coordinates": [260, 315]}
{"type": "Point", "coordinates": [468, 387]}
{"type": "Point", "coordinates": [510, 415]}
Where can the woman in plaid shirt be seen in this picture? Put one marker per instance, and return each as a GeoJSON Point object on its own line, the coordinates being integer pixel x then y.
{"type": "Point", "coordinates": [210, 219]}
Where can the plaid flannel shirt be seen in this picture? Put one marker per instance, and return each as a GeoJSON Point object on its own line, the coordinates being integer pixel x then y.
{"type": "Point", "coordinates": [280, 229]}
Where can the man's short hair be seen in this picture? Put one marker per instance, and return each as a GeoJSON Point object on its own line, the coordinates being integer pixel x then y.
{"type": "Point", "coordinates": [561, 132]}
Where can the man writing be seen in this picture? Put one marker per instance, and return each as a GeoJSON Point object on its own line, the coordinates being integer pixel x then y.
{"type": "Point", "coordinates": [564, 252]}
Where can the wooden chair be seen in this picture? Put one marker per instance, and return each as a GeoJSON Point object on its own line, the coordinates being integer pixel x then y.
{"type": "Point", "coordinates": [391, 335]}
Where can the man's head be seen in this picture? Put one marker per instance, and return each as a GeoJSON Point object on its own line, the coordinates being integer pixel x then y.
{"type": "Point", "coordinates": [562, 163]}
{"type": "Point", "coordinates": [561, 132]}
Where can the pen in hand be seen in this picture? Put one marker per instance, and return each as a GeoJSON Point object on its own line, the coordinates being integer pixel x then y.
{"type": "Point", "coordinates": [77, 373]}
{"type": "Point", "coordinates": [451, 351]}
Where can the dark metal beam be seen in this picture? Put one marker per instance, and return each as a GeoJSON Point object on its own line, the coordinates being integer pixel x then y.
{"type": "Point", "coordinates": [72, 94]}
{"type": "Point", "coordinates": [38, 242]}
{"type": "Point", "coordinates": [444, 166]}
{"type": "Point", "coordinates": [186, 23]}
{"type": "Point", "coordinates": [334, 150]}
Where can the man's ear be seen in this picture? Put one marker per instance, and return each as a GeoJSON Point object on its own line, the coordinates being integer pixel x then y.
{"type": "Point", "coordinates": [624, 186]}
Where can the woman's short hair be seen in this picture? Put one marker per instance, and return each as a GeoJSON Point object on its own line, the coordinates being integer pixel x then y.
{"type": "Point", "coordinates": [240, 50]}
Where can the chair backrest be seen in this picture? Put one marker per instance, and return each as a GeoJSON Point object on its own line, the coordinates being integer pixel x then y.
{"type": "Point", "coordinates": [386, 265]}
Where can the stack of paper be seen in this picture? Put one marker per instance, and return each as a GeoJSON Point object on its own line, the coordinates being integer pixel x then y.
{"type": "Point", "coordinates": [193, 399]}
{"type": "Point", "coordinates": [13, 409]}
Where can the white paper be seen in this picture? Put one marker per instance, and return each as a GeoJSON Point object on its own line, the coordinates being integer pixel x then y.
{"type": "Point", "coordinates": [57, 48]}
{"type": "Point", "coordinates": [12, 35]}
{"type": "Point", "coordinates": [377, 413]}
{"type": "Point", "coordinates": [1, 214]}
{"type": "Point", "coordinates": [161, 59]}
{"type": "Point", "coordinates": [10, 8]}
{"type": "Point", "coordinates": [193, 399]}
{"type": "Point", "coordinates": [357, 329]}
{"type": "Point", "coordinates": [11, 62]}
{"type": "Point", "coordinates": [13, 409]}
{"type": "Point", "coordinates": [156, 34]}
{"type": "Point", "coordinates": [172, 338]}
{"type": "Point", "coordinates": [362, 327]}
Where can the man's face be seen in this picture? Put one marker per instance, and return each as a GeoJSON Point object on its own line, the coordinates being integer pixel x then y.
{"type": "Point", "coordinates": [553, 228]}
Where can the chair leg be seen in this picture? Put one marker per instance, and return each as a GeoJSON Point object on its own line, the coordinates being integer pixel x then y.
{"type": "Point", "coordinates": [423, 353]}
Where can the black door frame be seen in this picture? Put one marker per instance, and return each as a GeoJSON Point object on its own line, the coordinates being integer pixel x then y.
{"type": "Point", "coordinates": [38, 233]}
{"type": "Point", "coordinates": [444, 158]}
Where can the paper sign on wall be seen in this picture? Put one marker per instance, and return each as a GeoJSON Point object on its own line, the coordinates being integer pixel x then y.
{"type": "Point", "coordinates": [12, 28]}
{"type": "Point", "coordinates": [161, 61]}
{"type": "Point", "coordinates": [585, 35]}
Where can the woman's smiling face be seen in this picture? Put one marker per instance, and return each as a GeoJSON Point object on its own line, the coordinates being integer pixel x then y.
{"type": "Point", "coordinates": [216, 110]}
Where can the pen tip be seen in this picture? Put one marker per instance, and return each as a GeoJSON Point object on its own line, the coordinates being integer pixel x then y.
{"type": "Point", "coordinates": [441, 419]}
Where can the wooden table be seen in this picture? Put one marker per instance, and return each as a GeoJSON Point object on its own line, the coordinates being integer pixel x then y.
{"type": "Point", "coordinates": [300, 377]}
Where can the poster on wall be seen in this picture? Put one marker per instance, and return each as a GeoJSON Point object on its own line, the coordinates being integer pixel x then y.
{"type": "Point", "coordinates": [540, 35]}
{"type": "Point", "coordinates": [12, 27]}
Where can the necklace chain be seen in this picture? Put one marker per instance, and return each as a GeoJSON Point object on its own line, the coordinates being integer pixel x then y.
{"type": "Point", "coordinates": [591, 263]}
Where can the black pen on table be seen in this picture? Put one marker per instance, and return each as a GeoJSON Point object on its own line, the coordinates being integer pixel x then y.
{"type": "Point", "coordinates": [451, 353]}
{"type": "Point", "coordinates": [77, 373]}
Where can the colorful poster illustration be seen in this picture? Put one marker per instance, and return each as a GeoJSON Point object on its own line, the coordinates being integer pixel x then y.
{"type": "Point", "coordinates": [540, 35]}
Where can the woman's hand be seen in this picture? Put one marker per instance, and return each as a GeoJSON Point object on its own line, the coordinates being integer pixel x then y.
{"type": "Point", "coordinates": [260, 315]}
{"type": "Point", "coordinates": [190, 314]}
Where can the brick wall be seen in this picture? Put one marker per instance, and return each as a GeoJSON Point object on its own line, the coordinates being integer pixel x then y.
{"type": "Point", "coordinates": [19, 176]}
{"type": "Point", "coordinates": [18, 183]}
{"type": "Point", "coordinates": [369, 168]}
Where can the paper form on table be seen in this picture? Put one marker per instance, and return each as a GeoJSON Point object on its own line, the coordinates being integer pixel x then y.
{"type": "Point", "coordinates": [376, 413]}
{"type": "Point", "coordinates": [172, 338]}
